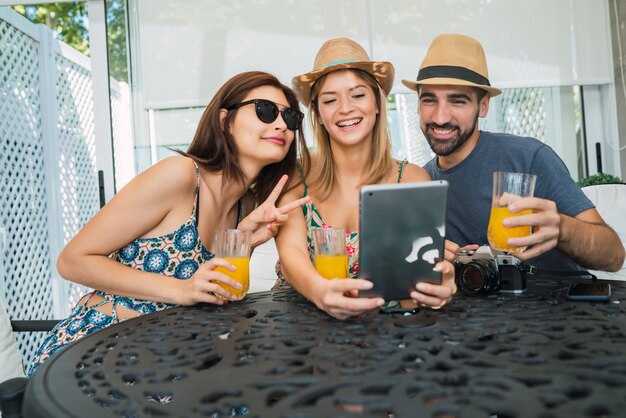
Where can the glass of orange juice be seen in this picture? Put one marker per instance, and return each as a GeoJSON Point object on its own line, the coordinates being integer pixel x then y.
{"type": "Point", "coordinates": [233, 246]}
{"type": "Point", "coordinates": [508, 188]}
{"type": "Point", "coordinates": [331, 260]}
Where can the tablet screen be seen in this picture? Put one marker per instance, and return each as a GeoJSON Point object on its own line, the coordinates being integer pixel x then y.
{"type": "Point", "coordinates": [402, 232]}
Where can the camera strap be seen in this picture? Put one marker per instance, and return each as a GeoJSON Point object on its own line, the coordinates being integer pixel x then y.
{"type": "Point", "coordinates": [527, 268]}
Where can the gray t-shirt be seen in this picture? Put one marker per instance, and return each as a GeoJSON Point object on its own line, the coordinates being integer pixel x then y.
{"type": "Point", "coordinates": [471, 183]}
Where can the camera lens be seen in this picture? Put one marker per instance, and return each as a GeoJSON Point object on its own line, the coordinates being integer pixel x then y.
{"type": "Point", "coordinates": [478, 276]}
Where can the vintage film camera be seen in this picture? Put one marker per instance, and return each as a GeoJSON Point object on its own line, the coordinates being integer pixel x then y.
{"type": "Point", "coordinates": [482, 272]}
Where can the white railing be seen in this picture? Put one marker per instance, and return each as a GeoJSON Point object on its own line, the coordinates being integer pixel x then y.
{"type": "Point", "coordinates": [49, 181]}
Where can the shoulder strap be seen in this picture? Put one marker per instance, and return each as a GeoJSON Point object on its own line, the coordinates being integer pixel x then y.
{"type": "Point", "coordinates": [401, 165]}
{"type": "Point", "coordinates": [299, 167]}
{"type": "Point", "coordinates": [239, 212]}
{"type": "Point", "coordinates": [196, 203]}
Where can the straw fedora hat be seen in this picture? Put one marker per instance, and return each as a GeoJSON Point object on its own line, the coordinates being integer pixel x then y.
{"type": "Point", "coordinates": [455, 60]}
{"type": "Point", "coordinates": [339, 54]}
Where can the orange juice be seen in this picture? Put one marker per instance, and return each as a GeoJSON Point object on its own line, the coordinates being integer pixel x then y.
{"type": "Point", "coordinates": [332, 266]}
{"type": "Point", "coordinates": [497, 234]}
{"type": "Point", "coordinates": [241, 275]}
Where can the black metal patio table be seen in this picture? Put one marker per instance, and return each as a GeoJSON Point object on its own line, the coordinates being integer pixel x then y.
{"type": "Point", "coordinates": [274, 354]}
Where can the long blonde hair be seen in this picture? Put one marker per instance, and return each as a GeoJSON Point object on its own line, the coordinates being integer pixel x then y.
{"type": "Point", "coordinates": [323, 177]}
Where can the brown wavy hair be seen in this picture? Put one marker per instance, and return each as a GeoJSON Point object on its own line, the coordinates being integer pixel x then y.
{"type": "Point", "coordinates": [213, 147]}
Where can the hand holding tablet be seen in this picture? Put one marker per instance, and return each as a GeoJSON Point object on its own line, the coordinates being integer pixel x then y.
{"type": "Point", "coordinates": [402, 230]}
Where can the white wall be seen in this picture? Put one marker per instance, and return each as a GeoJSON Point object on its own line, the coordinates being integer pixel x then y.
{"type": "Point", "coordinates": [188, 48]}
{"type": "Point", "coordinates": [182, 51]}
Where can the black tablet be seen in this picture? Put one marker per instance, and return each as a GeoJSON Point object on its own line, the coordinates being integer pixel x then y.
{"type": "Point", "coordinates": [401, 235]}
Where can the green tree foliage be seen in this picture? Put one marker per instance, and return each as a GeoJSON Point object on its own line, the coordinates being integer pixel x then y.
{"type": "Point", "coordinates": [69, 21]}
{"type": "Point", "coordinates": [116, 39]}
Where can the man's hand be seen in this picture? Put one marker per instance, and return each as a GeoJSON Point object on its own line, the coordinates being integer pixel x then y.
{"type": "Point", "coordinates": [452, 249]}
{"type": "Point", "coordinates": [585, 238]}
{"type": "Point", "coordinates": [546, 224]}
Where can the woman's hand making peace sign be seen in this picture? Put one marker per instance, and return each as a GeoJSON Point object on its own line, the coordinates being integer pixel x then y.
{"type": "Point", "coordinates": [263, 222]}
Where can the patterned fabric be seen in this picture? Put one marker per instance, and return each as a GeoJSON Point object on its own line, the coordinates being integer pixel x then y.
{"type": "Point", "coordinates": [177, 254]}
{"type": "Point", "coordinates": [313, 219]}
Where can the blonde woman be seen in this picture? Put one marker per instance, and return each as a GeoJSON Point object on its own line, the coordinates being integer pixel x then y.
{"type": "Point", "coordinates": [345, 93]}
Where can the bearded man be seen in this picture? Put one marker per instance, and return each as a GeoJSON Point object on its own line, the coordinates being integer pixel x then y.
{"type": "Point", "coordinates": [454, 91]}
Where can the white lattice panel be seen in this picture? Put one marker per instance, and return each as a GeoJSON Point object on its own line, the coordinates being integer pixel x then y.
{"type": "Point", "coordinates": [522, 112]}
{"type": "Point", "coordinates": [415, 144]}
{"type": "Point", "coordinates": [48, 175]}
{"type": "Point", "coordinates": [79, 194]}
{"type": "Point", "coordinates": [27, 290]}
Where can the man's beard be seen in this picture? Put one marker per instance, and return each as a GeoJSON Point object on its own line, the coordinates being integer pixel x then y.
{"type": "Point", "coordinates": [445, 147]}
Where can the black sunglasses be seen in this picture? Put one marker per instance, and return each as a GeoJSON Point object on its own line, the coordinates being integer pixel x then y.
{"type": "Point", "coordinates": [267, 111]}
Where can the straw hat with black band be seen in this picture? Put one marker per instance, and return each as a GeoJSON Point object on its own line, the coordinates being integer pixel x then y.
{"type": "Point", "coordinates": [454, 60]}
{"type": "Point", "coordinates": [340, 54]}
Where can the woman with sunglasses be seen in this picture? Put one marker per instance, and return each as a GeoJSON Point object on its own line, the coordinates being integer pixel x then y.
{"type": "Point", "coordinates": [345, 94]}
{"type": "Point", "coordinates": [150, 247]}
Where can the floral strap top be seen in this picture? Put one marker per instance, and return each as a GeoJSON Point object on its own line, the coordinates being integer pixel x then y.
{"type": "Point", "coordinates": [177, 254]}
{"type": "Point", "coordinates": [313, 219]}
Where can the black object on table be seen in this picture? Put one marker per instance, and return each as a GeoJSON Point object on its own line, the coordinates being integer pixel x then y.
{"type": "Point", "coordinates": [12, 390]}
{"type": "Point", "coordinates": [275, 354]}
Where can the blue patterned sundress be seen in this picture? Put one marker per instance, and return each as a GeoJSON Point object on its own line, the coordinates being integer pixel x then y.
{"type": "Point", "coordinates": [177, 254]}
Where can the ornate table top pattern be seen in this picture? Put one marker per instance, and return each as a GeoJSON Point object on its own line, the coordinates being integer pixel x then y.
{"type": "Point", "coordinates": [274, 354]}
